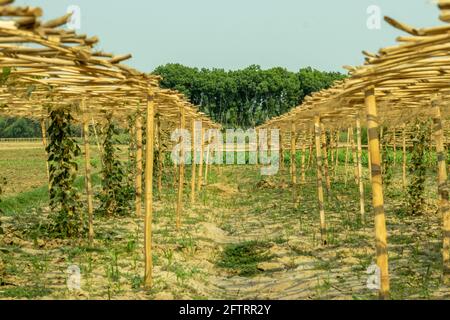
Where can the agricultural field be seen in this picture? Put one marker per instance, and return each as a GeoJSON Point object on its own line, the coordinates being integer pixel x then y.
{"type": "Point", "coordinates": [244, 238]}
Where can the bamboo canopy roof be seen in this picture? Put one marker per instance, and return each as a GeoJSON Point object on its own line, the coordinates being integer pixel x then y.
{"type": "Point", "coordinates": [405, 77]}
{"type": "Point", "coordinates": [46, 66]}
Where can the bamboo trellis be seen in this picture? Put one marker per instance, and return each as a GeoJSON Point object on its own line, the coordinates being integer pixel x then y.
{"type": "Point", "coordinates": [46, 67]}
{"type": "Point", "coordinates": [395, 86]}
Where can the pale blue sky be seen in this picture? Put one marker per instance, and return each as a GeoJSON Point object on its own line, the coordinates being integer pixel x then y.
{"type": "Point", "coordinates": [232, 34]}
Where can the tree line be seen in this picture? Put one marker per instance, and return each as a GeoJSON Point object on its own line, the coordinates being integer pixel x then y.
{"type": "Point", "coordinates": [236, 98]}
{"type": "Point", "coordinates": [248, 97]}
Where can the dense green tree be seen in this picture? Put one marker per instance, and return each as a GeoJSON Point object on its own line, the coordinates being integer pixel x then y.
{"type": "Point", "coordinates": [248, 97]}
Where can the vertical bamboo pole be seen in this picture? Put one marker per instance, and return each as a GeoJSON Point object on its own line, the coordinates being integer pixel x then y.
{"type": "Point", "coordinates": [354, 155]}
{"type": "Point", "coordinates": [149, 154]}
{"type": "Point", "coordinates": [318, 135]}
{"type": "Point", "coordinates": [200, 167]}
{"type": "Point", "coordinates": [281, 149]}
{"type": "Point", "coordinates": [138, 198]}
{"type": "Point", "coordinates": [370, 164]}
{"type": "Point", "coordinates": [304, 161]}
{"type": "Point", "coordinates": [381, 145]}
{"type": "Point", "coordinates": [360, 177]}
{"type": "Point", "coordinates": [88, 182]}
{"type": "Point", "coordinates": [443, 187]}
{"type": "Point", "coordinates": [377, 192]}
{"type": "Point", "coordinates": [193, 161]}
{"type": "Point", "coordinates": [395, 146]}
{"type": "Point", "coordinates": [404, 156]}
{"type": "Point", "coordinates": [325, 158]}
{"type": "Point", "coordinates": [311, 144]}
{"type": "Point", "coordinates": [336, 165]}
{"type": "Point", "coordinates": [294, 163]}
{"type": "Point", "coordinates": [44, 142]}
{"type": "Point", "coordinates": [207, 165]}
{"type": "Point", "coordinates": [293, 155]}
{"type": "Point", "coordinates": [332, 146]}
{"type": "Point", "coordinates": [347, 148]}
{"type": "Point", "coordinates": [160, 156]}
{"type": "Point", "coordinates": [181, 170]}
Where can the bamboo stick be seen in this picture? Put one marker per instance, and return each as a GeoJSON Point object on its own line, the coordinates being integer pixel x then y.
{"type": "Point", "coordinates": [138, 179]}
{"type": "Point", "coordinates": [149, 153]}
{"type": "Point", "coordinates": [442, 187]}
{"type": "Point", "coordinates": [89, 193]}
{"type": "Point", "coordinates": [404, 157]}
{"type": "Point", "coordinates": [293, 155]}
{"type": "Point", "coordinates": [44, 142]}
{"type": "Point", "coordinates": [360, 177]}
{"type": "Point", "coordinates": [207, 166]}
{"type": "Point", "coordinates": [200, 167]}
{"type": "Point", "coordinates": [325, 159]}
{"type": "Point", "coordinates": [318, 135]}
{"type": "Point", "coordinates": [311, 144]}
{"type": "Point", "coordinates": [354, 155]}
{"type": "Point", "coordinates": [181, 171]}
{"type": "Point", "coordinates": [160, 157]}
{"type": "Point", "coordinates": [347, 156]}
{"type": "Point", "coordinates": [395, 147]}
{"type": "Point", "coordinates": [281, 150]}
{"type": "Point", "coordinates": [193, 161]}
{"type": "Point", "coordinates": [336, 165]}
{"type": "Point", "coordinates": [377, 193]}
{"type": "Point", "coordinates": [304, 162]}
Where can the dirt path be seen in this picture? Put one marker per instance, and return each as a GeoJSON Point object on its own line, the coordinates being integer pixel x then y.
{"type": "Point", "coordinates": [205, 260]}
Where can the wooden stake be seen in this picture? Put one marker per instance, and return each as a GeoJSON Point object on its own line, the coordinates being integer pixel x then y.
{"type": "Point", "coordinates": [336, 165]}
{"type": "Point", "coordinates": [395, 147]}
{"type": "Point", "coordinates": [404, 157]}
{"type": "Point", "coordinates": [360, 177]}
{"type": "Point", "coordinates": [281, 150]}
{"type": "Point", "coordinates": [87, 164]}
{"type": "Point", "coordinates": [207, 165]}
{"type": "Point", "coordinates": [443, 187]}
{"type": "Point", "coordinates": [311, 144]}
{"type": "Point", "coordinates": [293, 155]}
{"type": "Point", "coordinates": [200, 167]}
{"type": "Point", "coordinates": [325, 158]}
{"type": "Point", "coordinates": [354, 156]}
{"type": "Point", "coordinates": [160, 157]}
{"type": "Point", "coordinates": [304, 161]}
{"type": "Point", "coordinates": [377, 193]}
{"type": "Point", "coordinates": [138, 200]}
{"type": "Point", "coordinates": [181, 171]}
{"type": "Point", "coordinates": [44, 142]}
{"type": "Point", "coordinates": [318, 135]}
{"type": "Point", "coordinates": [347, 156]}
{"type": "Point", "coordinates": [194, 158]}
{"type": "Point", "coordinates": [149, 153]}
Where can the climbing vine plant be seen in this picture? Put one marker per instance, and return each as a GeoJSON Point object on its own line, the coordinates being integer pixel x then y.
{"type": "Point", "coordinates": [420, 137]}
{"type": "Point", "coordinates": [117, 193]}
{"type": "Point", "coordinates": [64, 198]}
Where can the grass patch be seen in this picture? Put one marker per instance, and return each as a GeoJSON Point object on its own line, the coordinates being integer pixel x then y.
{"type": "Point", "coordinates": [243, 258]}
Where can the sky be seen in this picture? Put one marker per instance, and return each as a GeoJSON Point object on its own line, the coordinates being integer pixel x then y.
{"type": "Point", "coordinates": [233, 34]}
